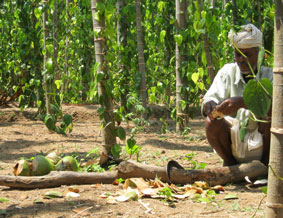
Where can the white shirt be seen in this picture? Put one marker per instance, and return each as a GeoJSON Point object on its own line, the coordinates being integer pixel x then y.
{"type": "Point", "coordinates": [229, 82]}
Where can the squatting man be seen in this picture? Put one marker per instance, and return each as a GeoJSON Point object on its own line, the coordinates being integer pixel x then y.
{"type": "Point", "coordinates": [225, 97]}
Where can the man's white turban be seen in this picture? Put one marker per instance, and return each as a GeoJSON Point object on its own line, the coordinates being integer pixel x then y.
{"type": "Point", "coordinates": [248, 37]}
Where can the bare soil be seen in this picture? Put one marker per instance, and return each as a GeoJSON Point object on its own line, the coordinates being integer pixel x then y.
{"type": "Point", "coordinates": [21, 135]}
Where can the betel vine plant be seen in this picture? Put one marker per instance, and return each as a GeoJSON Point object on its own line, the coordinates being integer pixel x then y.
{"type": "Point", "coordinates": [257, 95]}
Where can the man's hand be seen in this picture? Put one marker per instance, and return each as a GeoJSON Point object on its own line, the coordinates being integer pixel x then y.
{"type": "Point", "coordinates": [231, 105]}
{"type": "Point", "coordinates": [208, 108]}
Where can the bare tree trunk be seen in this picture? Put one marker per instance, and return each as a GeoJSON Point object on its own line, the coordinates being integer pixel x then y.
{"type": "Point", "coordinates": [275, 185]}
{"type": "Point", "coordinates": [108, 130]}
{"type": "Point", "coordinates": [131, 169]}
{"type": "Point", "coordinates": [45, 57]}
{"type": "Point", "coordinates": [141, 55]}
{"type": "Point", "coordinates": [209, 66]}
{"type": "Point", "coordinates": [181, 81]}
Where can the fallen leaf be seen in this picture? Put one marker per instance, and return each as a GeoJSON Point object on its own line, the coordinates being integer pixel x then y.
{"type": "Point", "coordinates": [218, 188]}
{"type": "Point", "coordinates": [201, 184]}
{"type": "Point", "coordinates": [2, 200]}
{"type": "Point", "coordinates": [138, 183]}
{"type": "Point", "coordinates": [150, 191]}
{"type": "Point", "coordinates": [71, 189]}
{"type": "Point", "coordinates": [115, 182]}
{"type": "Point", "coordinates": [230, 197]}
{"type": "Point", "coordinates": [23, 197]}
{"type": "Point", "coordinates": [53, 194]}
{"type": "Point", "coordinates": [96, 186]}
{"type": "Point", "coordinates": [111, 200]}
{"type": "Point", "coordinates": [190, 187]}
{"type": "Point", "coordinates": [38, 201]}
{"type": "Point", "coordinates": [72, 195]}
{"type": "Point", "coordinates": [83, 211]}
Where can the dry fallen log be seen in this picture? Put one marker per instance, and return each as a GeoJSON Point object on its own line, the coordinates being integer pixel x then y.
{"type": "Point", "coordinates": [131, 169]}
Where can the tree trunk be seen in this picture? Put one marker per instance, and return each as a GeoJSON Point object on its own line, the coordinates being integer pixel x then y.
{"type": "Point", "coordinates": [274, 204]}
{"type": "Point", "coordinates": [182, 118]}
{"type": "Point", "coordinates": [131, 169]}
{"type": "Point", "coordinates": [213, 5]}
{"type": "Point", "coordinates": [259, 12]}
{"type": "Point", "coordinates": [108, 130]}
{"type": "Point", "coordinates": [45, 58]}
{"type": "Point", "coordinates": [235, 12]}
{"type": "Point", "coordinates": [122, 34]}
{"type": "Point", "coordinates": [209, 64]}
{"type": "Point", "coordinates": [66, 54]}
{"type": "Point", "coordinates": [141, 55]}
{"type": "Point", "coordinates": [55, 40]}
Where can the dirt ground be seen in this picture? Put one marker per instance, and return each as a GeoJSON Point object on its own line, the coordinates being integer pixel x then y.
{"type": "Point", "coordinates": [21, 135]}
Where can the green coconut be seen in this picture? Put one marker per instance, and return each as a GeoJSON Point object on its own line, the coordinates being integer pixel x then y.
{"type": "Point", "coordinates": [41, 165]}
{"type": "Point", "coordinates": [53, 156]}
{"type": "Point", "coordinates": [22, 168]}
{"type": "Point", "coordinates": [67, 163]}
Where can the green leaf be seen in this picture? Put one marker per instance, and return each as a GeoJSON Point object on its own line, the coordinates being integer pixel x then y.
{"type": "Point", "coordinates": [116, 150]}
{"type": "Point", "coordinates": [256, 99]}
{"type": "Point", "coordinates": [230, 197]}
{"type": "Point", "coordinates": [99, 77]}
{"type": "Point", "coordinates": [38, 201]}
{"type": "Point", "coordinates": [55, 108]}
{"type": "Point", "coordinates": [67, 119]}
{"type": "Point", "coordinates": [195, 77]}
{"type": "Point", "coordinates": [183, 104]}
{"type": "Point", "coordinates": [243, 129]}
{"type": "Point", "coordinates": [101, 111]}
{"type": "Point", "coordinates": [49, 122]}
{"type": "Point", "coordinates": [2, 200]}
{"type": "Point", "coordinates": [260, 58]}
{"type": "Point", "coordinates": [178, 39]}
{"type": "Point", "coordinates": [121, 133]}
{"type": "Point", "coordinates": [131, 142]}
{"type": "Point", "coordinates": [162, 36]}
{"type": "Point", "coordinates": [264, 189]}
{"type": "Point", "coordinates": [53, 194]}
{"type": "Point", "coordinates": [49, 65]}
{"type": "Point", "coordinates": [58, 83]}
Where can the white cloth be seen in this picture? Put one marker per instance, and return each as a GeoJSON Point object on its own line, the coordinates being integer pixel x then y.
{"type": "Point", "coordinates": [250, 148]}
{"type": "Point", "coordinates": [250, 36]}
{"type": "Point", "coordinates": [228, 83]}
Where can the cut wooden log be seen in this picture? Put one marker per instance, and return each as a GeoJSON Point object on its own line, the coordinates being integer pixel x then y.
{"type": "Point", "coordinates": [131, 169]}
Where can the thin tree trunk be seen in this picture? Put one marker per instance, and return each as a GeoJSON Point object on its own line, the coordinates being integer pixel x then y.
{"type": "Point", "coordinates": [55, 40]}
{"type": "Point", "coordinates": [45, 57]}
{"type": "Point", "coordinates": [67, 39]}
{"type": "Point", "coordinates": [142, 69]}
{"type": "Point", "coordinates": [209, 64]}
{"type": "Point", "coordinates": [181, 81]}
{"type": "Point", "coordinates": [259, 11]}
{"type": "Point", "coordinates": [235, 9]}
{"type": "Point", "coordinates": [274, 204]}
{"type": "Point", "coordinates": [108, 130]}
{"type": "Point", "coordinates": [213, 5]}
{"type": "Point", "coordinates": [122, 34]}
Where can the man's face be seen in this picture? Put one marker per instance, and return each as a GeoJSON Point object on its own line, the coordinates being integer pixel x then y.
{"type": "Point", "coordinates": [252, 54]}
